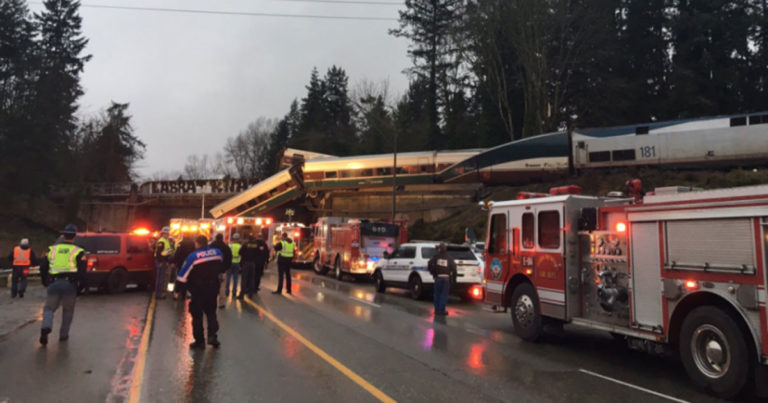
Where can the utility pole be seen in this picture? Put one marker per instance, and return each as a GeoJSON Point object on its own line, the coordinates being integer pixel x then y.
{"type": "Point", "coordinates": [394, 179]}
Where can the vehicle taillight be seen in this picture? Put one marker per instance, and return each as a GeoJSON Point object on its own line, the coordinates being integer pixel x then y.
{"type": "Point", "coordinates": [479, 269]}
{"type": "Point", "coordinates": [92, 264]}
{"type": "Point", "coordinates": [691, 285]}
{"type": "Point", "coordinates": [476, 292]}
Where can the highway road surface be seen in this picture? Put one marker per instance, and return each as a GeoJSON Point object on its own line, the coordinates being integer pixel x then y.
{"type": "Point", "coordinates": [330, 341]}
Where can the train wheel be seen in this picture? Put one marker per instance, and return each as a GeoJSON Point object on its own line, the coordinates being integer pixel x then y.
{"type": "Point", "coordinates": [525, 312]}
{"type": "Point", "coordinates": [714, 351]}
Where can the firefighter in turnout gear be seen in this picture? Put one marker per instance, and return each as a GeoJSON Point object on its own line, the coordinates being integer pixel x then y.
{"type": "Point", "coordinates": [21, 258]}
{"type": "Point", "coordinates": [285, 251]}
{"type": "Point", "coordinates": [443, 269]}
{"type": "Point", "coordinates": [65, 264]}
{"type": "Point", "coordinates": [163, 252]}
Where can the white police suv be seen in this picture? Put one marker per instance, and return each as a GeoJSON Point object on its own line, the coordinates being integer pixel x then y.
{"type": "Point", "coordinates": [406, 268]}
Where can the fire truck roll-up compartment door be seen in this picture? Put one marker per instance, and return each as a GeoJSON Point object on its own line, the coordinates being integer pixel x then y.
{"type": "Point", "coordinates": [713, 245]}
{"type": "Point", "coordinates": [646, 276]}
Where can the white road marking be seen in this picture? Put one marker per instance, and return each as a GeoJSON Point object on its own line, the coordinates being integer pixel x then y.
{"type": "Point", "coordinates": [607, 378]}
{"type": "Point", "coordinates": [364, 302]}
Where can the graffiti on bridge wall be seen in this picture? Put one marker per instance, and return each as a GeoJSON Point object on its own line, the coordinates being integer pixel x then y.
{"type": "Point", "coordinates": [198, 186]}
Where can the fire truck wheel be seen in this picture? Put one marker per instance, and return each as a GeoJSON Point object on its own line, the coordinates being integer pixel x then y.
{"type": "Point", "coordinates": [337, 270]}
{"type": "Point", "coordinates": [379, 279]}
{"type": "Point", "coordinates": [116, 281]}
{"type": "Point", "coordinates": [318, 267]}
{"type": "Point", "coordinates": [416, 287]}
{"type": "Point", "coordinates": [525, 312]}
{"type": "Point", "coordinates": [714, 351]}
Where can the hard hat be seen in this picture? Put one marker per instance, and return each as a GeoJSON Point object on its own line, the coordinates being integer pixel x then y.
{"type": "Point", "coordinates": [236, 236]}
{"type": "Point", "coordinates": [165, 230]}
{"type": "Point", "coordinates": [70, 229]}
{"type": "Point", "coordinates": [25, 242]}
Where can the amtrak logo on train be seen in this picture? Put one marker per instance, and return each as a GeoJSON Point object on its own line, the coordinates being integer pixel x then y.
{"type": "Point", "coordinates": [496, 269]}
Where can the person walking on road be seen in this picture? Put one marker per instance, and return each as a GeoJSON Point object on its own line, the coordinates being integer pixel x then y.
{"type": "Point", "coordinates": [443, 269]}
{"type": "Point", "coordinates": [163, 252]}
{"type": "Point", "coordinates": [255, 255]}
{"type": "Point", "coordinates": [65, 265]}
{"type": "Point", "coordinates": [183, 249]}
{"type": "Point", "coordinates": [233, 272]}
{"type": "Point", "coordinates": [285, 251]}
{"type": "Point", "coordinates": [200, 272]}
{"type": "Point", "coordinates": [227, 252]}
{"type": "Point", "coordinates": [21, 258]}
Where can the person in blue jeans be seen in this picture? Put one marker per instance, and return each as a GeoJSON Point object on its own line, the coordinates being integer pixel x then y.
{"type": "Point", "coordinates": [233, 272]}
{"type": "Point", "coordinates": [443, 268]}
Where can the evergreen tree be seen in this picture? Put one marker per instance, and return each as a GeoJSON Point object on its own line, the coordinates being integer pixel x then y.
{"type": "Point", "coordinates": [431, 25]}
{"type": "Point", "coordinates": [376, 126]}
{"type": "Point", "coordinates": [340, 129]}
{"type": "Point", "coordinates": [411, 118]}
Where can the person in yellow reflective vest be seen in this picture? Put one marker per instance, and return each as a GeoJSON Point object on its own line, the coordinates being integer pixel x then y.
{"type": "Point", "coordinates": [21, 258]}
{"type": "Point", "coordinates": [285, 251]}
{"type": "Point", "coordinates": [233, 271]}
{"type": "Point", "coordinates": [63, 269]}
{"type": "Point", "coordinates": [163, 252]}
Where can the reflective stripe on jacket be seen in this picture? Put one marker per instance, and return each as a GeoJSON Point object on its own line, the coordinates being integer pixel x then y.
{"type": "Point", "coordinates": [22, 257]}
{"type": "Point", "coordinates": [62, 258]}
{"type": "Point", "coordinates": [235, 252]}
{"type": "Point", "coordinates": [286, 249]}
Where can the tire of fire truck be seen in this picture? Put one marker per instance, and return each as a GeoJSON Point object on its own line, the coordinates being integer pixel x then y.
{"type": "Point", "coordinates": [116, 281]}
{"type": "Point", "coordinates": [381, 286]}
{"type": "Point", "coordinates": [416, 287]}
{"type": "Point", "coordinates": [337, 273]}
{"type": "Point", "coordinates": [714, 351]}
{"type": "Point", "coordinates": [525, 312]}
{"type": "Point", "coordinates": [318, 267]}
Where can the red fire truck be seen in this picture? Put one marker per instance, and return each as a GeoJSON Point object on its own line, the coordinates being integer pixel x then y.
{"type": "Point", "coordinates": [302, 238]}
{"type": "Point", "coordinates": [680, 268]}
{"type": "Point", "coordinates": [354, 246]}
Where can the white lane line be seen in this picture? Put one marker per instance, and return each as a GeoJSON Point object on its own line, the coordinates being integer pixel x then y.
{"type": "Point", "coordinates": [364, 302]}
{"type": "Point", "coordinates": [607, 378]}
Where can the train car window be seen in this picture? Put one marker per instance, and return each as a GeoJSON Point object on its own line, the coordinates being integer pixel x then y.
{"type": "Point", "coordinates": [549, 229]}
{"type": "Point", "coordinates": [528, 230]}
{"type": "Point", "coordinates": [402, 170]}
{"type": "Point", "coordinates": [331, 174]}
{"type": "Point", "coordinates": [624, 155]}
{"type": "Point", "coordinates": [497, 234]}
{"type": "Point", "coordinates": [424, 168]}
{"type": "Point", "coordinates": [350, 173]}
{"type": "Point", "coordinates": [641, 130]}
{"type": "Point", "coordinates": [581, 145]}
{"type": "Point", "coordinates": [599, 156]}
{"type": "Point", "coordinates": [366, 172]}
{"type": "Point", "coordinates": [383, 171]}
{"type": "Point", "coordinates": [758, 119]}
{"type": "Point", "coordinates": [739, 121]}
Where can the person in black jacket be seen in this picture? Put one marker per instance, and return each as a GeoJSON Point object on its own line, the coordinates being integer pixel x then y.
{"type": "Point", "coordinates": [255, 254]}
{"type": "Point", "coordinates": [227, 252]}
{"type": "Point", "coordinates": [200, 272]}
{"type": "Point", "coordinates": [183, 249]}
{"type": "Point", "coordinates": [443, 269]}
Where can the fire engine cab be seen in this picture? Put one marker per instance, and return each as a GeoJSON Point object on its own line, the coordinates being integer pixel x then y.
{"type": "Point", "coordinates": [353, 246]}
{"type": "Point", "coordinates": [681, 267]}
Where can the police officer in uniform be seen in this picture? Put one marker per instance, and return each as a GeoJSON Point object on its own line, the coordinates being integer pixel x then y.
{"type": "Point", "coordinates": [443, 269]}
{"type": "Point", "coordinates": [200, 272]}
{"type": "Point", "coordinates": [65, 266]}
{"type": "Point", "coordinates": [163, 252]}
{"type": "Point", "coordinates": [285, 251]}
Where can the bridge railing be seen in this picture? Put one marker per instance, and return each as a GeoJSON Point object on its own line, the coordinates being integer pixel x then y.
{"type": "Point", "coordinates": [158, 189]}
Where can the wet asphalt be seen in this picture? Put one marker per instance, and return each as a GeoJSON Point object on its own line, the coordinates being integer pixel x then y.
{"type": "Point", "coordinates": [388, 340]}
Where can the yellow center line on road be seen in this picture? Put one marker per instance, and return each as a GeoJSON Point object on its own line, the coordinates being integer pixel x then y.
{"type": "Point", "coordinates": [377, 393]}
{"type": "Point", "coordinates": [134, 395]}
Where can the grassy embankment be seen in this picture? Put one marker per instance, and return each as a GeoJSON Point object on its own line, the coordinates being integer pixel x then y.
{"type": "Point", "coordinates": [593, 183]}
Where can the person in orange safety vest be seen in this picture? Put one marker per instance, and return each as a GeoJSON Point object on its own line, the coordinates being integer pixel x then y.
{"type": "Point", "coordinates": [21, 258]}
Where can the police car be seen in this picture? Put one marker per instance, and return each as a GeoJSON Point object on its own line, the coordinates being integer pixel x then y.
{"type": "Point", "coordinates": [406, 267]}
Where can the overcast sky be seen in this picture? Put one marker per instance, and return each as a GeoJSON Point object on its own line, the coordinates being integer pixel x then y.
{"type": "Point", "coordinates": [193, 80]}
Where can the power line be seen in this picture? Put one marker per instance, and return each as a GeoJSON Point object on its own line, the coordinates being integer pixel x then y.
{"type": "Point", "coordinates": [238, 13]}
{"type": "Point", "coordinates": [373, 3]}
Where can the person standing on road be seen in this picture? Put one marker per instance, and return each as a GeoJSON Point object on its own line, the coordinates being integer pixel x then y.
{"type": "Point", "coordinates": [200, 272]}
{"type": "Point", "coordinates": [65, 265]}
{"type": "Point", "coordinates": [250, 253]}
{"type": "Point", "coordinates": [163, 252]}
{"type": "Point", "coordinates": [258, 254]}
{"type": "Point", "coordinates": [233, 272]}
{"type": "Point", "coordinates": [285, 251]}
{"type": "Point", "coordinates": [21, 258]}
{"type": "Point", "coordinates": [443, 268]}
{"type": "Point", "coordinates": [227, 252]}
{"type": "Point", "coordinates": [183, 249]}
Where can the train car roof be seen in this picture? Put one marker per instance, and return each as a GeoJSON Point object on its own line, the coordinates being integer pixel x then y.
{"type": "Point", "coordinates": [626, 130]}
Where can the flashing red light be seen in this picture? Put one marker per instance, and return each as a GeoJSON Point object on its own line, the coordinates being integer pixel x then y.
{"type": "Point", "coordinates": [230, 220]}
{"type": "Point", "coordinates": [240, 221]}
{"type": "Point", "coordinates": [141, 231]}
{"type": "Point", "coordinates": [621, 227]}
{"type": "Point", "coordinates": [258, 221]}
{"type": "Point", "coordinates": [528, 271]}
{"type": "Point", "coordinates": [268, 221]}
{"type": "Point", "coordinates": [296, 234]}
{"type": "Point", "coordinates": [476, 292]}
{"type": "Point", "coordinates": [691, 285]}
